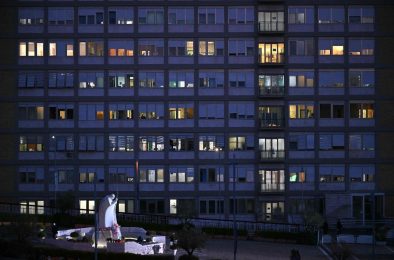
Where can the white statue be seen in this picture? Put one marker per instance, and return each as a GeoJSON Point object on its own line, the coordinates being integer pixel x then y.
{"type": "Point", "coordinates": [107, 215]}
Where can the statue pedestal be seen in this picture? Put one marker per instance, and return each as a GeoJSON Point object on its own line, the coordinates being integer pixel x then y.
{"type": "Point", "coordinates": [103, 235]}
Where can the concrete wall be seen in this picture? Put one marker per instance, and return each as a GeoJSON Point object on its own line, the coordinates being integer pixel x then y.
{"type": "Point", "coordinates": [8, 16]}
{"type": "Point", "coordinates": [8, 179]}
{"type": "Point", "coordinates": [8, 81]}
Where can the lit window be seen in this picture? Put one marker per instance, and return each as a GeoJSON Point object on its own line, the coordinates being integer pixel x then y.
{"type": "Point", "coordinates": [301, 79]}
{"type": "Point", "coordinates": [52, 49]}
{"type": "Point", "coordinates": [361, 47]}
{"type": "Point", "coordinates": [301, 111]}
{"type": "Point", "coordinates": [331, 47]}
{"type": "Point", "coordinates": [271, 52]}
{"type": "Point", "coordinates": [31, 49]}
{"type": "Point", "coordinates": [69, 50]}
{"type": "Point", "coordinates": [362, 110]}
{"type": "Point", "coordinates": [211, 48]}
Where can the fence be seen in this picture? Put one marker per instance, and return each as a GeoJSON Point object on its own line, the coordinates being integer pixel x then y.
{"type": "Point", "coordinates": [11, 209]}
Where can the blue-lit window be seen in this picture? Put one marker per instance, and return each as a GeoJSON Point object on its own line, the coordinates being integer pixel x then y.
{"type": "Point", "coordinates": [180, 47]}
{"type": "Point", "coordinates": [180, 15]}
{"type": "Point", "coordinates": [31, 79]}
{"type": "Point", "coordinates": [301, 15]}
{"type": "Point", "coordinates": [361, 78]}
{"type": "Point", "coordinates": [181, 79]}
{"type": "Point", "coordinates": [60, 16]}
{"type": "Point", "coordinates": [211, 142]}
{"type": "Point", "coordinates": [151, 16]}
{"type": "Point", "coordinates": [241, 79]}
{"type": "Point", "coordinates": [240, 47]}
{"type": "Point", "coordinates": [151, 143]}
{"type": "Point", "coordinates": [150, 47]}
{"type": "Point", "coordinates": [301, 78]}
{"type": "Point", "coordinates": [121, 143]}
{"type": "Point", "coordinates": [151, 79]}
{"type": "Point", "coordinates": [120, 15]}
{"type": "Point", "coordinates": [362, 141]}
{"type": "Point", "coordinates": [301, 47]}
{"type": "Point", "coordinates": [240, 15]}
{"type": "Point", "coordinates": [361, 15]}
{"type": "Point", "coordinates": [121, 79]}
{"type": "Point", "coordinates": [151, 111]}
{"type": "Point", "coordinates": [91, 111]}
{"type": "Point", "coordinates": [91, 143]}
{"type": "Point", "coordinates": [31, 16]}
{"type": "Point", "coordinates": [90, 16]}
{"type": "Point", "coordinates": [91, 79]}
{"type": "Point", "coordinates": [361, 47]}
{"type": "Point", "coordinates": [331, 15]}
{"type": "Point", "coordinates": [331, 78]}
{"type": "Point", "coordinates": [210, 15]}
{"type": "Point", "coordinates": [211, 79]}
{"type": "Point", "coordinates": [211, 110]}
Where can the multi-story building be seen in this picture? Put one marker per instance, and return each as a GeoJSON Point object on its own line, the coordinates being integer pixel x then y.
{"type": "Point", "coordinates": [173, 104]}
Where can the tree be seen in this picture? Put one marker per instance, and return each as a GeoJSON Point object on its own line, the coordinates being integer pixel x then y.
{"type": "Point", "coordinates": [190, 239]}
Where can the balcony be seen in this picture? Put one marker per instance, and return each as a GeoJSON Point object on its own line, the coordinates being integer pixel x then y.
{"type": "Point", "coordinates": [271, 53]}
{"type": "Point", "coordinates": [272, 26]}
{"type": "Point", "coordinates": [272, 155]}
{"type": "Point", "coordinates": [276, 59]}
{"type": "Point", "coordinates": [271, 122]}
{"type": "Point", "coordinates": [271, 91]}
{"type": "Point", "coordinates": [272, 187]}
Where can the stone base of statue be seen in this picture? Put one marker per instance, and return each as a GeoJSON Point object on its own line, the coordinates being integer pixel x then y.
{"type": "Point", "coordinates": [103, 235]}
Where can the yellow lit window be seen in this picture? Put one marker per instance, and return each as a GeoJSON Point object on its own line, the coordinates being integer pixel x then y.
{"type": "Point", "coordinates": [40, 113]}
{"type": "Point", "coordinates": [31, 49]}
{"type": "Point", "coordinates": [100, 115]}
{"type": "Point", "coordinates": [121, 52]}
{"type": "Point", "coordinates": [202, 48]}
{"type": "Point", "coordinates": [293, 111]}
{"type": "Point", "coordinates": [211, 48]}
{"type": "Point", "coordinates": [40, 49]}
{"type": "Point", "coordinates": [52, 49]}
{"type": "Point", "coordinates": [82, 49]}
{"type": "Point", "coordinates": [22, 49]}
{"type": "Point", "coordinates": [112, 52]}
{"type": "Point", "coordinates": [129, 53]}
{"type": "Point", "coordinates": [337, 50]}
{"type": "Point", "coordinates": [69, 50]}
{"type": "Point", "coordinates": [325, 52]}
{"type": "Point", "coordinates": [62, 114]}
{"type": "Point", "coordinates": [189, 48]}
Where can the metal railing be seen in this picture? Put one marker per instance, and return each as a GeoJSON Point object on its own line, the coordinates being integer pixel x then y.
{"type": "Point", "coordinates": [271, 122]}
{"type": "Point", "coordinates": [12, 209]}
{"type": "Point", "coordinates": [274, 26]}
{"type": "Point", "coordinates": [272, 91]}
{"type": "Point", "coordinates": [272, 154]}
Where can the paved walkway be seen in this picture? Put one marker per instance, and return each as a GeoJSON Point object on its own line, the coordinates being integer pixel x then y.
{"type": "Point", "coordinates": [366, 252]}
{"type": "Point", "coordinates": [255, 250]}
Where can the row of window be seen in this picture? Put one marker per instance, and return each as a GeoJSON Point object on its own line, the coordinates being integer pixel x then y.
{"type": "Point", "coordinates": [207, 110]}
{"type": "Point", "coordinates": [267, 210]}
{"type": "Point", "coordinates": [183, 79]}
{"type": "Point", "coordinates": [214, 15]}
{"type": "Point", "coordinates": [206, 142]}
{"type": "Point", "coordinates": [186, 174]}
{"type": "Point", "coordinates": [269, 52]}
